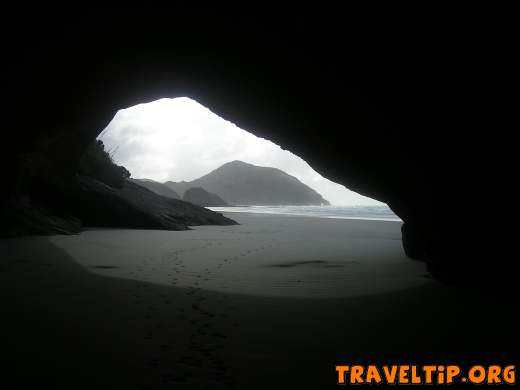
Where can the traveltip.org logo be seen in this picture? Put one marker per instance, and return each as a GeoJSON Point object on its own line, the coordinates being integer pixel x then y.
{"type": "Point", "coordinates": [429, 375]}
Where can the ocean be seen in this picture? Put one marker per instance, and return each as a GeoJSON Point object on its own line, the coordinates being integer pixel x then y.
{"type": "Point", "coordinates": [379, 213]}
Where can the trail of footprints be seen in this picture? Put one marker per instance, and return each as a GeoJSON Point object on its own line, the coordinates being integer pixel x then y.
{"type": "Point", "coordinates": [201, 362]}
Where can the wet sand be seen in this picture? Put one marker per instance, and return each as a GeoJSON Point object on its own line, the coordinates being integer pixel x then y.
{"type": "Point", "coordinates": [273, 303]}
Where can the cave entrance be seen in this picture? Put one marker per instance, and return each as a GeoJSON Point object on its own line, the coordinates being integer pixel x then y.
{"type": "Point", "coordinates": [298, 233]}
{"type": "Point", "coordinates": [177, 141]}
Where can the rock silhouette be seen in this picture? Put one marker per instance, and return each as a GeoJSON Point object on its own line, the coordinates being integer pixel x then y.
{"type": "Point", "coordinates": [137, 207]}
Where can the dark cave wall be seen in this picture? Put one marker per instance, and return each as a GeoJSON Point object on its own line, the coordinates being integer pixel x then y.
{"type": "Point", "coordinates": [365, 107]}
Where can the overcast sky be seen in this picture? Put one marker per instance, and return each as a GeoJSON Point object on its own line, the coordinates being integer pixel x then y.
{"type": "Point", "coordinates": [179, 139]}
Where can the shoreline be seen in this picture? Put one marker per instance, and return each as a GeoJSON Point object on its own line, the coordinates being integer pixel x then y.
{"type": "Point", "coordinates": [259, 210]}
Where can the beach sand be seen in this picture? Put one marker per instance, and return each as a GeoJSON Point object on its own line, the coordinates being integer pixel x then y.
{"type": "Point", "coordinates": [274, 302]}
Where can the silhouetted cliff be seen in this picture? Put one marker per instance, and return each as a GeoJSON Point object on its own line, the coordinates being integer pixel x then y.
{"type": "Point", "coordinates": [134, 206]}
{"type": "Point", "coordinates": [99, 193]}
{"type": "Point", "coordinates": [240, 183]}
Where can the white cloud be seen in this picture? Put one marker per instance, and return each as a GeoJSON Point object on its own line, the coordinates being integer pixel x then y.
{"type": "Point", "coordinates": [179, 139]}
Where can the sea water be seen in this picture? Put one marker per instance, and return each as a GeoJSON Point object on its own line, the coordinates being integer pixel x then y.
{"type": "Point", "coordinates": [380, 213]}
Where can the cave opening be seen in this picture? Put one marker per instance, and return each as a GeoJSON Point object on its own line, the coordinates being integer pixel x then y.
{"type": "Point", "coordinates": [297, 233]}
{"type": "Point", "coordinates": [179, 140]}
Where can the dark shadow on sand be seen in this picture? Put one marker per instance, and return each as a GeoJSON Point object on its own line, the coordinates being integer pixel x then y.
{"type": "Point", "coordinates": [70, 328]}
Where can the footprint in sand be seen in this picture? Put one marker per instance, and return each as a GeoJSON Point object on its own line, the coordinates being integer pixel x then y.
{"type": "Point", "coordinates": [154, 362]}
{"type": "Point", "coordinates": [181, 378]}
{"type": "Point", "coordinates": [191, 361]}
{"type": "Point", "coordinates": [165, 347]}
{"type": "Point", "coordinates": [104, 266]}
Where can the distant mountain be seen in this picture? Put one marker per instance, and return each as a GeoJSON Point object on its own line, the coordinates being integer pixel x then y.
{"type": "Point", "coordinates": [158, 188]}
{"type": "Point", "coordinates": [240, 183]}
{"type": "Point", "coordinates": [201, 197]}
